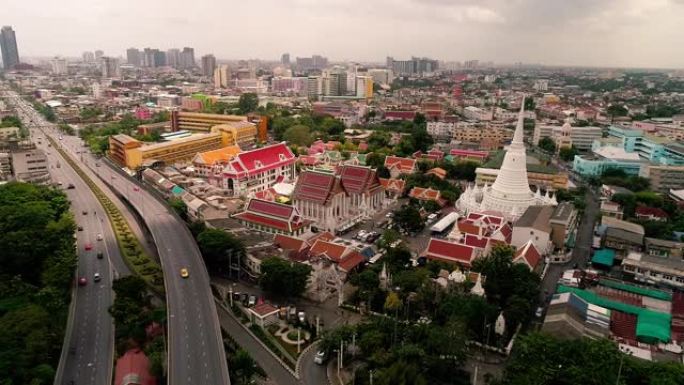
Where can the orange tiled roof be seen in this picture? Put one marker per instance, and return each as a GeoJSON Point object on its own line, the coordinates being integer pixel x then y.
{"type": "Point", "coordinates": [221, 155]}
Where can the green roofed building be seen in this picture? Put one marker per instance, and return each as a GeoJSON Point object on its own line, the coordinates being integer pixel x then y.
{"type": "Point", "coordinates": [652, 326]}
{"type": "Point", "coordinates": [604, 257]}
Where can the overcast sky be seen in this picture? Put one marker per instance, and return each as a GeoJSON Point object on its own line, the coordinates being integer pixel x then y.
{"type": "Point", "coordinates": [631, 33]}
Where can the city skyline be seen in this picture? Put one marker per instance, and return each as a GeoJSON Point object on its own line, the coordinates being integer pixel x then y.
{"type": "Point", "coordinates": [604, 33]}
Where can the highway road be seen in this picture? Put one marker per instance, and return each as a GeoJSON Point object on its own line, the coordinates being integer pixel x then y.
{"type": "Point", "coordinates": [196, 353]}
{"type": "Point", "coordinates": [87, 355]}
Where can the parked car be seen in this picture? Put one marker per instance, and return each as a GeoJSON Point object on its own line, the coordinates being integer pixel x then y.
{"type": "Point", "coordinates": [539, 312]}
{"type": "Point", "coordinates": [70, 186]}
{"type": "Point", "coordinates": [360, 235]}
{"type": "Point", "coordinates": [320, 357]}
{"type": "Point", "coordinates": [84, 212]}
{"type": "Point", "coordinates": [301, 316]}
{"type": "Point", "coordinates": [252, 300]}
{"type": "Point", "coordinates": [100, 255]}
{"type": "Point", "coordinates": [80, 228]}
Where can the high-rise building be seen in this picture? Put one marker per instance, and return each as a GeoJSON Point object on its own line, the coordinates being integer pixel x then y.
{"type": "Point", "coordinates": [541, 85]}
{"type": "Point", "coordinates": [187, 58]}
{"type": "Point", "coordinates": [159, 58]}
{"type": "Point", "coordinates": [335, 82]}
{"type": "Point", "coordinates": [8, 45]}
{"type": "Point", "coordinates": [285, 59]}
{"type": "Point", "coordinates": [415, 66]}
{"type": "Point", "coordinates": [148, 57]}
{"type": "Point", "coordinates": [222, 76]}
{"type": "Point", "coordinates": [364, 87]}
{"type": "Point", "coordinates": [133, 57]}
{"type": "Point", "coordinates": [98, 54]}
{"type": "Point", "coordinates": [208, 65]}
{"type": "Point", "coordinates": [315, 62]}
{"type": "Point", "coordinates": [110, 67]}
{"type": "Point", "coordinates": [381, 75]}
{"type": "Point", "coordinates": [314, 87]}
{"type": "Point", "coordinates": [471, 64]}
{"type": "Point", "coordinates": [58, 66]}
{"type": "Point", "coordinates": [88, 57]}
{"type": "Point", "coordinates": [173, 57]}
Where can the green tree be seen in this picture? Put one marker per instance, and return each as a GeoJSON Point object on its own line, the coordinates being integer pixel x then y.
{"type": "Point", "coordinates": [332, 126]}
{"type": "Point", "coordinates": [408, 218]}
{"type": "Point", "coordinates": [568, 154]}
{"type": "Point", "coordinates": [298, 135]}
{"type": "Point", "coordinates": [283, 277]}
{"type": "Point", "coordinates": [248, 102]}
{"type": "Point", "coordinates": [90, 113]}
{"type": "Point", "coordinates": [538, 358]}
{"type": "Point", "coordinates": [243, 367]}
{"type": "Point", "coordinates": [547, 144]}
{"type": "Point", "coordinates": [179, 207]}
{"type": "Point", "coordinates": [218, 249]}
{"type": "Point", "coordinates": [530, 104]}
{"type": "Point", "coordinates": [506, 281]}
{"type": "Point", "coordinates": [419, 120]}
{"type": "Point", "coordinates": [379, 139]}
{"type": "Point", "coordinates": [421, 139]}
{"type": "Point", "coordinates": [375, 160]}
{"type": "Point", "coordinates": [617, 110]}
{"type": "Point", "coordinates": [392, 302]}
{"type": "Point", "coordinates": [11, 121]}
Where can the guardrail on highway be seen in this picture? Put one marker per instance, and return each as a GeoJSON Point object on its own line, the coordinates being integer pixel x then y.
{"type": "Point", "coordinates": [132, 251]}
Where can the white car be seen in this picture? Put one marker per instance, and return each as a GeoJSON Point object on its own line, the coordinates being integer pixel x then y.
{"type": "Point", "coordinates": [320, 357]}
{"type": "Point", "coordinates": [96, 277]}
{"type": "Point", "coordinates": [99, 237]}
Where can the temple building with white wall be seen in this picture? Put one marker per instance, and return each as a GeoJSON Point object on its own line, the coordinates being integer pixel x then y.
{"type": "Point", "coordinates": [510, 194]}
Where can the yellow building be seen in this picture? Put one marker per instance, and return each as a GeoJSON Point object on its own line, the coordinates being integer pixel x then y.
{"type": "Point", "coordinates": [546, 181]}
{"type": "Point", "coordinates": [237, 133]}
{"type": "Point", "coordinates": [131, 153]}
{"type": "Point", "coordinates": [200, 122]}
{"type": "Point", "coordinates": [119, 145]}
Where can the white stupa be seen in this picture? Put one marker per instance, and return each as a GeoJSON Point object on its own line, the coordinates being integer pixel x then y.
{"type": "Point", "coordinates": [510, 194]}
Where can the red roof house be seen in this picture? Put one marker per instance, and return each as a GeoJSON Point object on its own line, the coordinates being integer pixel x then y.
{"type": "Point", "coordinates": [438, 172]}
{"type": "Point", "coordinates": [650, 214]}
{"type": "Point", "coordinates": [346, 257]}
{"type": "Point", "coordinates": [426, 194]}
{"type": "Point", "coordinates": [272, 217]}
{"type": "Point", "coordinates": [133, 368]}
{"type": "Point", "coordinates": [257, 169]}
{"type": "Point", "coordinates": [452, 252]}
{"type": "Point", "coordinates": [398, 166]}
{"type": "Point", "coordinates": [528, 255]}
{"type": "Point", "coordinates": [480, 156]}
{"type": "Point", "coordinates": [393, 186]}
{"type": "Point", "coordinates": [296, 249]}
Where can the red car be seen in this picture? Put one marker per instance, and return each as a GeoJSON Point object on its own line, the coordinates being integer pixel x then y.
{"type": "Point", "coordinates": [88, 246]}
{"type": "Point", "coordinates": [82, 281]}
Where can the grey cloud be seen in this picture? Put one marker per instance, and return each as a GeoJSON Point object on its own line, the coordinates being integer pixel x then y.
{"type": "Point", "coordinates": [591, 32]}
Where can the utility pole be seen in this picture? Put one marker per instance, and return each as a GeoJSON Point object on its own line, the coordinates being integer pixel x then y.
{"type": "Point", "coordinates": [299, 333]}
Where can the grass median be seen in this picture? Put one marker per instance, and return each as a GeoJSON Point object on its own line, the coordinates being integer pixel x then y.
{"type": "Point", "coordinates": [131, 250]}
